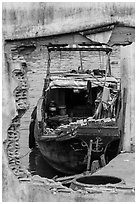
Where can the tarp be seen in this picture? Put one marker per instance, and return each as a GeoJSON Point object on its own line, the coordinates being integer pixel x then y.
{"type": "Point", "coordinates": [69, 84]}
{"type": "Point", "coordinates": [80, 83]}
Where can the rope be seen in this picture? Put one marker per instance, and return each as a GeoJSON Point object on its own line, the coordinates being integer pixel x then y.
{"type": "Point", "coordinates": [25, 154]}
{"type": "Point", "coordinates": [60, 60]}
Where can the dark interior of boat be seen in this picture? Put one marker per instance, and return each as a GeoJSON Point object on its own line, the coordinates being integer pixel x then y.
{"type": "Point", "coordinates": [64, 105]}
{"type": "Point", "coordinates": [76, 101]}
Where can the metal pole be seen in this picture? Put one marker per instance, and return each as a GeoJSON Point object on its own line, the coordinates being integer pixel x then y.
{"type": "Point", "coordinates": [81, 61]}
{"type": "Point", "coordinates": [48, 66]}
{"type": "Point", "coordinates": [109, 67]}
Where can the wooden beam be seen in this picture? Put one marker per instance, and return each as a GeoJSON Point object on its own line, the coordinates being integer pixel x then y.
{"type": "Point", "coordinates": [89, 155]}
{"type": "Point", "coordinates": [81, 49]}
{"type": "Point", "coordinates": [98, 29]}
{"type": "Point", "coordinates": [95, 166]}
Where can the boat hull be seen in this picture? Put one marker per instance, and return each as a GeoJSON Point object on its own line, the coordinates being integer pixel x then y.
{"type": "Point", "coordinates": [70, 155]}
{"type": "Point", "coordinates": [63, 157]}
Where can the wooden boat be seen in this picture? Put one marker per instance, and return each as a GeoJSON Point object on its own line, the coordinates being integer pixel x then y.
{"type": "Point", "coordinates": [76, 108]}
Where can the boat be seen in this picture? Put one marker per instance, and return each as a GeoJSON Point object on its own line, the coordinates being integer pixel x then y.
{"type": "Point", "coordinates": [76, 119]}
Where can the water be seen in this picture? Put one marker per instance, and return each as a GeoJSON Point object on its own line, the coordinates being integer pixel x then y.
{"type": "Point", "coordinates": [37, 63]}
{"type": "Point", "coordinates": [37, 165]}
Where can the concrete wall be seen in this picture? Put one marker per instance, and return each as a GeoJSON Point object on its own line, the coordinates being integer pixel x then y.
{"type": "Point", "coordinates": [128, 83]}
{"type": "Point", "coordinates": [40, 18]}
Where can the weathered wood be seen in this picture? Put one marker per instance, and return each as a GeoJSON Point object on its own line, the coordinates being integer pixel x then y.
{"type": "Point", "coordinates": [102, 160]}
{"type": "Point", "coordinates": [95, 166]}
{"type": "Point", "coordinates": [67, 179]}
{"type": "Point", "coordinates": [118, 107]}
{"type": "Point", "coordinates": [99, 29]}
{"type": "Point", "coordinates": [89, 154]}
{"type": "Point", "coordinates": [39, 111]}
{"type": "Point", "coordinates": [123, 117]}
{"type": "Point", "coordinates": [106, 49]}
{"type": "Point", "coordinates": [81, 61]}
{"type": "Point", "coordinates": [98, 131]}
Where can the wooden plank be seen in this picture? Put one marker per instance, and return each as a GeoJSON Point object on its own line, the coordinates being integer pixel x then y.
{"type": "Point", "coordinates": [123, 117]}
{"type": "Point", "coordinates": [95, 166]}
{"type": "Point", "coordinates": [68, 179]}
{"type": "Point", "coordinates": [98, 131]}
{"type": "Point", "coordinates": [80, 49]}
{"type": "Point", "coordinates": [39, 111]}
{"type": "Point", "coordinates": [89, 154]}
{"type": "Point", "coordinates": [102, 160]}
{"type": "Point", "coordinates": [99, 29]}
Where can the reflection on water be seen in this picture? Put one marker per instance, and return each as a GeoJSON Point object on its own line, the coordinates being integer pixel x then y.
{"type": "Point", "coordinates": [38, 166]}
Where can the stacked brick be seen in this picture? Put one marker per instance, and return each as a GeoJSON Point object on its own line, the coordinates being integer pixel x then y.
{"type": "Point", "coordinates": [21, 92]}
{"type": "Point", "coordinates": [18, 68]}
{"type": "Point", "coordinates": [13, 149]}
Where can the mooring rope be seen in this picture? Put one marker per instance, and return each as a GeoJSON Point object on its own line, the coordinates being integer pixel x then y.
{"type": "Point", "coordinates": [25, 154]}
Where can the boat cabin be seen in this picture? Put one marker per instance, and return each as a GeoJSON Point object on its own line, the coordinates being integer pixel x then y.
{"type": "Point", "coordinates": [77, 94]}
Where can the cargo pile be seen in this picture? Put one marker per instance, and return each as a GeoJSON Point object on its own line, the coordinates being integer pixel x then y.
{"type": "Point", "coordinates": [70, 129]}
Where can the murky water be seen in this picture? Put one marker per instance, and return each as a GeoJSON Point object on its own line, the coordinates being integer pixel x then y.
{"type": "Point", "coordinates": [37, 63]}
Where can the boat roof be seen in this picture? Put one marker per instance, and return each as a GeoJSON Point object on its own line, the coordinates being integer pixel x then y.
{"type": "Point", "coordinates": [79, 81]}
{"type": "Point", "coordinates": [79, 47]}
